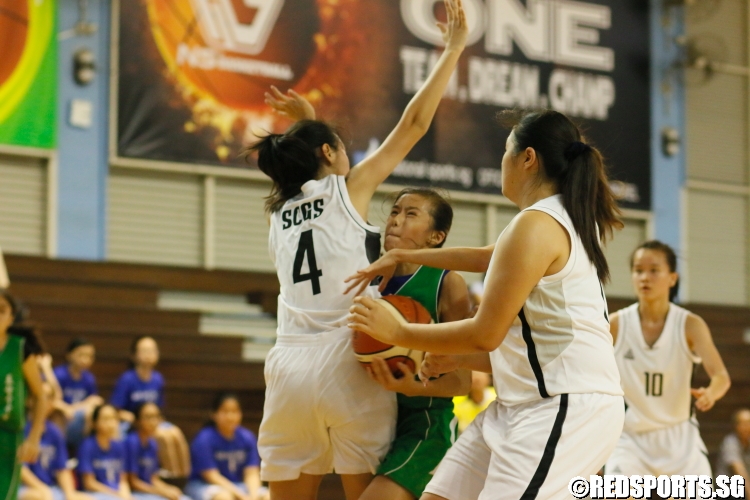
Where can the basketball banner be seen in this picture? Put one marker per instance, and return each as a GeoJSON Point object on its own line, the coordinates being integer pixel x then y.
{"type": "Point", "coordinates": [193, 74]}
{"type": "Point", "coordinates": [28, 73]}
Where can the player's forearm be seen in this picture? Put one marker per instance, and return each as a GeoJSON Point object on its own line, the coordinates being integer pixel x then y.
{"type": "Point", "coordinates": [214, 477]}
{"type": "Point", "coordinates": [252, 481]}
{"type": "Point", "coordinates": [138, 485]}
{"type": "Point", "coordinates": [468, 259]}
{"type": "Point", "coordinates": [66, 483]}
{"type": "Point", "coordinates": [29, 479]}
{"type": "Point", "coordinates": [467, 336]}
{"type": "Point", "coordinates": [720, 383]}
{"type": "Point", "coordinates": [476, 362]}
{"type": "Point", "coordinates": [422, 108]}
{"type": "Point", "coordinates": [91, 484]}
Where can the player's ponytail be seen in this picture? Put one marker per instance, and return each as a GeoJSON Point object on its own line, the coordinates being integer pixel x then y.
{"type": "Point", "coordinates": [579, 171]}
{"type": "Point", "coordinates": [22, 327]}
{"type": "Point", "coordinates": [292, 158]}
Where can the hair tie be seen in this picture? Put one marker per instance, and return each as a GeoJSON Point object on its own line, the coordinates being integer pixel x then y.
{"type": "Point", "coordinates": [576, 149]}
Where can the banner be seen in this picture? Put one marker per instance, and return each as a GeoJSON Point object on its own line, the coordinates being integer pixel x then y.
{"type": "Point", "coordinates": [28, 73]}
{"type": "Point", "coordinates": [193, 74]}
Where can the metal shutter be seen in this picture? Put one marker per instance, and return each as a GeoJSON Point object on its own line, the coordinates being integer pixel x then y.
{"type": "Point", "coordinates": [155, 218]}
{"type": "Point", "coordinates": [241, 238]}
{"type": "Point", "coordinates": [23, 210]}
{"type": "Point", "coordinates": [717, 243]}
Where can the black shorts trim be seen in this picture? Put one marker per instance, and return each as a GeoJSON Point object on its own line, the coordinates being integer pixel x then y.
{"type": "Point", "coordinates": [532, 490]}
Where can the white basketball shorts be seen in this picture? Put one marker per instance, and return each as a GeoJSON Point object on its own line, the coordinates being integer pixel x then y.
{"type": "Point", "coordinates": [322, 412]}
{"type": "Point", "coordinates": [677, 449]}
{"type": "Point", "coordinates": [531, 450]}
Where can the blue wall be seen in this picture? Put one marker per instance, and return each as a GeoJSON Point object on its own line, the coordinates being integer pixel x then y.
{"type": "Point", "coordinates": [668, 110]}
{"type": "Point", "coordinates": [82, 153]}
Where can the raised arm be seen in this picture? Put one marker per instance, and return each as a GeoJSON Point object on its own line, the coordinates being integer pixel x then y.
{"type": "Point", "coordinates": [533, 246]}
{"type": "Point", "coordinates": [699, 340]}
{"type": "Point", "coordinates": [468, 259]}
{"type": "Point", "coordinates": [371, 172]}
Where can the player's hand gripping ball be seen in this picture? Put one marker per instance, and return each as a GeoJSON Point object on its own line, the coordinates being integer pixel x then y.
{"type": "Point", "coordinates": [404, 310]}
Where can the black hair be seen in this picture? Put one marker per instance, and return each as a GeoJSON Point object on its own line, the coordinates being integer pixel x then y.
{"type": "Point", "coordinates": [671, 257]}
{"type": "Point", "coordinates": [95, 415]}
{"type": "Point", "coordinates": [293, 158]}
{"type": "Point", "coordinates": [218, 401]}
{"type": "Point", "coordinates": [76, 343]}
{"type": "Point", "coordinates": [579, 171]}
{"type": "Point", "coordinates": [21, 326]}
{"type": "Point", "coordinates": [441, 210]}
{"type": "Point", "coordinates": [134, 348]}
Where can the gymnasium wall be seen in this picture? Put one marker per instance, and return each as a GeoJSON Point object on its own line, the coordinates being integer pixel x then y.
{"type": "Point", "coordinates": [216, 221]}
{"type": "Point", "coordinates": [716, 196]}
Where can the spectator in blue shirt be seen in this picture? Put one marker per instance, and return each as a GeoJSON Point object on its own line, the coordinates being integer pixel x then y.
{"type": "Point", "coordinates": [102, 458]}
{"type": "Point", "coordinates": [49, 478]}
{"type": "Point", "coordinates": [226, 464]}
{"type": "Point", "coordinates": [143, 384]}
{"type": "Point", "coordinates": [143, 458]}
{"type": "Point", "coordinates": [79, 392]}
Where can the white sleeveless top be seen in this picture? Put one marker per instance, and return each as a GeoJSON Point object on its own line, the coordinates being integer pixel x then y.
{"type": "Point", "coordinates": [317, 240]}
{"type": "Point", "coordinates": [562, 344]}
{"type": "Point", "coordinates": [656, 379]}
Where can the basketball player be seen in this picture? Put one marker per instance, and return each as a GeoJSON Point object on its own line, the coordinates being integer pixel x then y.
{"type": "Point", "coordinates": [322, 412]}
{"type": "Point", "coordinates": [560, 409]}
{"type": "Point", "coordinates": [656, 345]}
{"type": "Point", "coordinates": [426, 427]}
{"type": "Point", "coordinates": [18, 369]}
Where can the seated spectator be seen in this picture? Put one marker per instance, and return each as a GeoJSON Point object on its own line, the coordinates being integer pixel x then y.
{"type": "Point", "coordinates": [49, 478]}
{"type": "Point", "coordinates": [101, 458]}
{"type": "Point", "coordinates": [143, 460]}
{"type": "Point", "coordinates": [466, 408]}
{"type": "Point", "coordinates": [143, 384]}
{"type": "Point", "coordinates": [79, 392]}
{"type": "Point", "coordinates": [734, 454]}
{"type": "Point", "coordinates": [226, 464]}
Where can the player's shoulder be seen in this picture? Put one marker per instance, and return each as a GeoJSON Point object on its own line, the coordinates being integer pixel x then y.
{"type": "Point", "coordinates": [246, 435]}
{"type": "Point", "coordinates": [694, 323]}
{"type": "Point", "coordinates": [53, 430]}
{"type": "Point", "coordinates": [157, 378]}
{"type": "Point", "coordinates": [206, 435]}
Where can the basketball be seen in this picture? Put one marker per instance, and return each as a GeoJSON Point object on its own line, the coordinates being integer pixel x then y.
{"type": "Point", "coordinates": [13, 30]}
{"type": "Point", "coordinates": [406, 310]}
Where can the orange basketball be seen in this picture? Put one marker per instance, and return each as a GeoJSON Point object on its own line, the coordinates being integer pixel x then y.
{"type": "Point", "coordinates": [406, 310]}
{"type": "Point", "coordinates": [14, 20]}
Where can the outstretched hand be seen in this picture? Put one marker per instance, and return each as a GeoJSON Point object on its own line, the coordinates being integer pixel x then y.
{"type": "Point", "coordinates": [369, 317]}
{"type": "Point", "coordinates": [456, 30]}
{"type": "Point", "coordinates": [291, 104]}
{"type": "Point", "coordinates": [385, 266]}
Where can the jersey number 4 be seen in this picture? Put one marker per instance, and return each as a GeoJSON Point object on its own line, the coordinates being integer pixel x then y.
{"type": "Point", "coordinates": [306, 247]}
{"type": "Point", "coordinates": [654, 384]}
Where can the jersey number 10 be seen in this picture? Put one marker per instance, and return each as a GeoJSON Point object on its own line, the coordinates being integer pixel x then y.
{"type": "Point", "coordinates": [654, 384]}
{"type": "Point", "coordinates": [306, 247]}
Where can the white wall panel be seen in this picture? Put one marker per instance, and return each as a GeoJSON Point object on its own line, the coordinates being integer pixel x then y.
{"type": "Point", "coordinates": [717, 130]}
{"type": "Point", "coordinates": [717, 248]}
{"type": "Point", "coordinates": [241, 226]}
{"type": "Point", "coordinates": [155, 218]}
{"type": "Point", "coordinates": [23, 205]}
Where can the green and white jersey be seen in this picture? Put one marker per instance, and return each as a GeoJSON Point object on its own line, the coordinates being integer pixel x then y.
{"type": "Point", "coordinates": [12, 386]}
{"type": "Point", "coordinates": [424, 286]}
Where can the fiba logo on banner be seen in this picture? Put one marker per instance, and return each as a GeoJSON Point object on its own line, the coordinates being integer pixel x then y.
{"type": "Point", "coordinates": [244, 29]}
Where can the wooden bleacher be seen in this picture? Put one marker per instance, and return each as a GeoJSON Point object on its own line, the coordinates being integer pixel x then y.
{"type": "Point", "coordinates": [112, 303]}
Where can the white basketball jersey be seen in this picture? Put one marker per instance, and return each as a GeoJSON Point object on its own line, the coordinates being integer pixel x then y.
{"type": "Point", "coordinates": [317, 240]}
{"type": "Point", "coordinates": [656, 379]}
{"type": "Point", "coordinates": [562, 344]}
